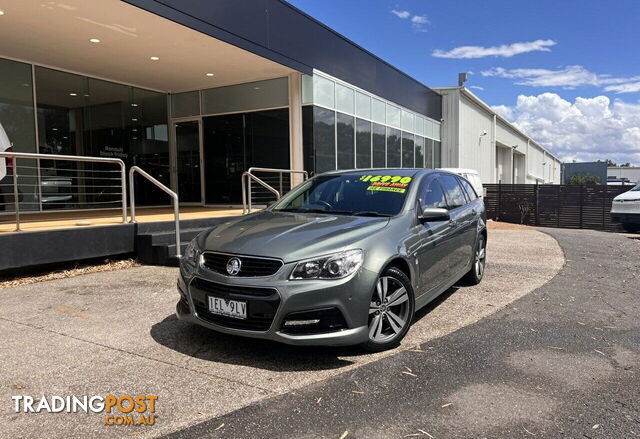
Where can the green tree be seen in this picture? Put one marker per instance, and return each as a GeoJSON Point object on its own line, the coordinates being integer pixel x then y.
{"type": "Point", "coordinates": [581, 178]}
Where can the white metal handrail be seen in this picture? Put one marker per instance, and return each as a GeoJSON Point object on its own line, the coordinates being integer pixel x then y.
{"type": "Point", "coordinates": [249, 176]}
{"type": "Point", "coordinates": [59, 157]}
{"type": "Point", "coordinates": [172, 194]}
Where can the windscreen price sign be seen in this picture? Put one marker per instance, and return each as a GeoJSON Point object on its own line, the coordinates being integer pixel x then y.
{"type": "Point", "coordinates": [387, 183]}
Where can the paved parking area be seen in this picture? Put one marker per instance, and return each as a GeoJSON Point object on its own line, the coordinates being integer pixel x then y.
{"type": "Point", "coordinates": [561, 362]}
{"type": "Point", "coordinates": [115, 333]}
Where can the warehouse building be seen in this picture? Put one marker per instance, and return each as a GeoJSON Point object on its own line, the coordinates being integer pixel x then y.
{"type": "Point", "coordinates": [196, 92]}
{"type": "Point", "coordinates": [475, 136]}
{"type": "Point", "coordinates": [623, 174]}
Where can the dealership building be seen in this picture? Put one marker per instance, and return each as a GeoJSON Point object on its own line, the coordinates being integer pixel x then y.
{"type": "Point", "coordinates": [196, 92]}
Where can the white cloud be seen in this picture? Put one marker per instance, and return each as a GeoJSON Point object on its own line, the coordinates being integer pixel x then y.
{"type": "Point", "coordinates": [630, 87]}
{"type": "Point", "coordinates": [401, 14]}
{"type": "Point", "coordinates": [504, 111]}
{"type": "Point", "coordinates": [476, 87]}
{"type": "Point", "coordinates": [568, 77]}
{"type": "Point", "coordinates": [504, 50]}
{"type": "Point", "coordinates": [418, 22]}
{"type": "Point", "coordinates": [587, 129]}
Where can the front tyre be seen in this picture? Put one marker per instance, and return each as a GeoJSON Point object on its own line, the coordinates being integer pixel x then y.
{"type": "Point", "coordinates": [391, 310]}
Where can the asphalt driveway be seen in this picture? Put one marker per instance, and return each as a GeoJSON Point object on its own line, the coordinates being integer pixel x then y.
{"type": "Point", "coordinates": [115, 333]}
{"type": "Point", "coordinates": [563, 361]}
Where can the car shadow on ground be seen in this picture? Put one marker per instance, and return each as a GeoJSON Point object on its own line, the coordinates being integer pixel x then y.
{"type": "Point", "coordinates": [205, 344]}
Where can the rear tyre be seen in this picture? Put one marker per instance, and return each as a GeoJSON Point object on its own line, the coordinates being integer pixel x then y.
{"type": "Point", "coordinates": [391, 310]}
{"type": "Point", "coordinates": [631, 227]}
{"type": "Point", "coordinates": [475, 275]}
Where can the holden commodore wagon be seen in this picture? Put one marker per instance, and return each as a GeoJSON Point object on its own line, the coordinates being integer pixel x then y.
{"type": "Point", "coordinates": [345, 258]}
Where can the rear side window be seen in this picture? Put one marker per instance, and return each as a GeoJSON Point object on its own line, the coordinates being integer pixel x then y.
{"type": "Point", "coordinates": [453, 191]}
{"type": "Point", "coordinates": [433, 196]}
{"type": "Point", "coordinates": [471, 193]}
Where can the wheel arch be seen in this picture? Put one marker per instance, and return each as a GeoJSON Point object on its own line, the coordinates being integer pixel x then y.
{"type": "Point", "coordinates": [401, 264]}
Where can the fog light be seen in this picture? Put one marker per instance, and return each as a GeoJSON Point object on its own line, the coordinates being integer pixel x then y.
{"type": "Point", "coordinates": [301, 322]}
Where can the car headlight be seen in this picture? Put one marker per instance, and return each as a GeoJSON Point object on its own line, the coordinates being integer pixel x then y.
{"type": "Point", "coordinates": [334, 266]}
{"type": "Point", "coordinates": [191, 254]}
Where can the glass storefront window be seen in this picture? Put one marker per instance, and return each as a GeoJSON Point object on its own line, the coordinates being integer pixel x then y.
{"type": "Point", "coordinates": [185, 104]}
{"type": "Point", "coordinates": [324, 91]}
{"type": "Point", "coordinates": [436, 131]}
{"type": "Point", "coordinates": [428, 153]}
{"type": "Point", "coordinates": [85, 116]}
{"type": "Point", "coordinates": [324, 140]}
{"type": "Point", "coordinates": [271, 93]}
{"type": "Point", "coordinates": [378, 111]}
{"type": "Point", "coordinates": [393, 148]}
{"type": "Point", "coordinates": [16, 119]}
{"type": "Point", "coordinates": [363, 143]}
{"type": "Point", "coordinates": [437, 155]}
{"type": "Point", "coordinates": [419, 144]}
{"type": "Point", "coordinates": [407, 121]}
{"type": "Point", "coordinates": [428, 129]}
{"type": "Point", "coordinates": [235, 142]}
{"type": "Point", "coordinates": [379, 146]}
{"type": "Point", "coordinates": [307, 89]}
{"type": "Point", "coordinates": [363, 105]}
{"type": "Point", "coordinates": [419, 125]}
{"type": "Point", "coordinates": [393, 116]}
{"type": "Point", "coordinates": [407, 150]}
{"type": "Point", "coordinates": [344, 99]}
{"type": "Point", "coordinates": [308, 150]}
{"type": "Point", "coordinates": [345, 141]}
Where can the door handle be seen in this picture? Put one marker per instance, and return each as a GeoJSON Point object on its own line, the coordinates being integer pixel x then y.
{"type": "Point", "coordinates": [453, 223]}
{"type": "Point", "coordinates": [474, 212]}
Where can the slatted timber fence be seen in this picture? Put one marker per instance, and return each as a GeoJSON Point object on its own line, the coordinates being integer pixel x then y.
{"type": "Point", "coordinates": [557, 205]}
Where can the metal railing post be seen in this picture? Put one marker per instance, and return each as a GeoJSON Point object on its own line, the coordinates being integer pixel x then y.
{"type": "Point", "coordinates": [123, 191]}
{"type": "Point", "coordinates": [16, 194]}
{"type": "Point", "coordinates": [247, 204]}
{"type": "Point", "coordinates": [244, 196]}
{"type": "Point", "coordinates": [132, 194]}
{"type": "Point", "coordinates": [172, 194]}
{"type": "Point", "coordinates": [72, 158]}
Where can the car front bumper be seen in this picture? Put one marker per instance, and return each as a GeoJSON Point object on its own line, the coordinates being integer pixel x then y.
{"type": "Point", "coordinates": [348, 298]}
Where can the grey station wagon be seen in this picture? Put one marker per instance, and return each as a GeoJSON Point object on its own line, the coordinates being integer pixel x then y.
{"type": "Point", "coordinates": [345, 258]}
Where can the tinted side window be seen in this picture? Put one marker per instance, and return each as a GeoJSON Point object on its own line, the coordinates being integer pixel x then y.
{"type": "Point", "coordinates": [469, 189]}
{"type": "Point", "coordinates": [453, 191]}
{"type": "Point", "coordinates": [433, 196]}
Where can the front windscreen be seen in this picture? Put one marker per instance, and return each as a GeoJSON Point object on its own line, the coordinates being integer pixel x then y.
{"type": "Point", "coordinates": [637, 188]}
{"type": "Point", "coordinates": [362, 193]}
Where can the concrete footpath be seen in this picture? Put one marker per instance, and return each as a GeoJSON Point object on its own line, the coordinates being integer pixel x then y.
{"type": "Point", "coordinates": [563, 361]}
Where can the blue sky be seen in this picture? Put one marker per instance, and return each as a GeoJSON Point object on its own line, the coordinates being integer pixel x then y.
{"type": "Point", "coordinates": [567, 72]}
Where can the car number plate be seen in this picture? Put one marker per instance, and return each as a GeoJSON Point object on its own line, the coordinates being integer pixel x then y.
{"type": "Point", "coordinates": [228, 308]}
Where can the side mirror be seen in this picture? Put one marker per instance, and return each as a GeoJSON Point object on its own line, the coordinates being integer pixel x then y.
{"type": "Point", "coordinates": [433, 214]}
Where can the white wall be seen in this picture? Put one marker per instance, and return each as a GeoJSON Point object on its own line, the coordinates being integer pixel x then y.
{"type": "Point", "coordinates": [535, 167]}
{"type": "Point", "coordinates": [632, 173]}
{"type": "Point", "coordinates": [476, 151]}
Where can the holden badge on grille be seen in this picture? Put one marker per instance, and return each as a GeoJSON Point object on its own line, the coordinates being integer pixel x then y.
{"type": "Point", "coordinates": [233, 266]}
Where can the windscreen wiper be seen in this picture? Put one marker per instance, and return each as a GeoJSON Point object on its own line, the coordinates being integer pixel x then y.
{"type": "Point", "coordinates": [302, 210]}
{"type": "Point", "coordinates": [371, 213]}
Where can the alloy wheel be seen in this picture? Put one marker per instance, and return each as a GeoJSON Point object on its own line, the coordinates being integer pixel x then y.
{"type": "Point", "coordinates": [389, 310]}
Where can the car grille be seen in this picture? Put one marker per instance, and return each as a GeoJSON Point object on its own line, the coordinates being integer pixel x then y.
{"type": "Point", "coordinates": [250, 266]}
{"type": "Point", "coordinates": [262, 304]}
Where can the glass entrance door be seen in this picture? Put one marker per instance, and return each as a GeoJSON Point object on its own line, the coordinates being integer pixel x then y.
{"type": "Point", "coordinates": [187, 135]}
